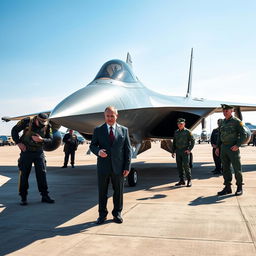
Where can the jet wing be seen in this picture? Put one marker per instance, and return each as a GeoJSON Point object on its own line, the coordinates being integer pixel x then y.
{"type": "Point", "coordinates": [7, 118]}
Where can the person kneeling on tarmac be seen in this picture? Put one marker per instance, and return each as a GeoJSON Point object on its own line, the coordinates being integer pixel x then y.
{"type": "Point", "coordinates": [36, 132]}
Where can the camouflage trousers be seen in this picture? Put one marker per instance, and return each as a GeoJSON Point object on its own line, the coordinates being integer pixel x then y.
{"type": "Point", "coordinates": [182, 160]}
{"type": "Point", "coordinates": [229, 157]}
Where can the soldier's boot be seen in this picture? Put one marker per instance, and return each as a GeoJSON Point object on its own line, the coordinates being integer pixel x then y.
{"type": "Point", "coordinates": [181, 182]}
{"type": "Point", "coordinates": [226, 190]}
{"type": "Point", "coordinates": [73, 166]}
{"type": "Point", "coordinates": [239, 190]}
{"type": "Point", "coordinates": [47, 199]}
{"type": "Point", "coordinates": [189, 183]}
{"type": "Point", "coordinates": [23, 200]}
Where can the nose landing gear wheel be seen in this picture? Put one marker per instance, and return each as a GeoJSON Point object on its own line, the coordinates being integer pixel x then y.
{"type": "Point", "coordinates": [132, 178]}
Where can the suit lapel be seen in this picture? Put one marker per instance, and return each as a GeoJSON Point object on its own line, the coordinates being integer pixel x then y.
{"type": "Point", "coordinates": [105, 132]}
{"type": "Point", "coordinates": [117, 133]}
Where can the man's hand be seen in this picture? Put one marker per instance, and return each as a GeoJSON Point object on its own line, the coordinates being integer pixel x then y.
{"type": "Point", "coordinates": [187, 152]}
{"type": "Point", "coordinates": [234, 148]}
{"type": "Point", "coordinates": [173, 155]}
{"type": "Point", "coordinates": [125, 173]}
{"type": "Point", "coordinates": [102, 153]}
{"type": "Point", "coordinates": [22, 147]}
{"type": "Point", "coordinates": [37, 138]}
{"type": "Point", "coordinates": [214, 145]}
{"type": "Point", "coordinates": [217, 152]}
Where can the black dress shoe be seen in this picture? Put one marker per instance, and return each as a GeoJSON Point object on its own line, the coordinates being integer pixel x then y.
{"type": "Point", "coordinates": [181, 182]}
{"type": "Point", "coordinates": [216, 172]}
{"type": "Point", "coordinates": [73, 166]}
{"type": "Point", "coordinates": [100, 220]}
{"type": "Point", "coordinates": [64, 166]}
{"type": "Point", "coordinates": [118, 219]}
{"type": "Point", "coordinates": [226, 190]}
{"type": "Point", "coordinates": [189, 183]}
{"type": "Point", "coordinates": [239, 190]}
{"type": "Point", "coordinates": [47, 199]}
{"type": "Point", "coordinates": [23, 202]}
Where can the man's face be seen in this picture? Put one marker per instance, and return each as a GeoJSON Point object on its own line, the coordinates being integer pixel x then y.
{"type": "Point", "coordinates": [181, 126]}
{"type": "Point", "coordinates": [110, 117]}
{"type": "Point", "coordinates": [38, 124]}
{"type": "Point", "coordinates": [227, 113]}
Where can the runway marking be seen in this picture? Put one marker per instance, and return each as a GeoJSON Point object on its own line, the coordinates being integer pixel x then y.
{"type": "Point", "coordinates": [3, 180]}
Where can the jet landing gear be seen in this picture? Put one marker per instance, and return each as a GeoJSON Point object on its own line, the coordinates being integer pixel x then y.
{"type": "Point", "coordinates": [132, 178]}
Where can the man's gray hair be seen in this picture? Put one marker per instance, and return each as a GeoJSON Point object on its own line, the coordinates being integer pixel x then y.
{"type": "Point", "coordinates": [111, 108]}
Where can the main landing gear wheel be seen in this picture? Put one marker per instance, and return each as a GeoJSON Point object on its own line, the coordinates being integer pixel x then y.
{"type": "Point", "coordinates": [132, 178]}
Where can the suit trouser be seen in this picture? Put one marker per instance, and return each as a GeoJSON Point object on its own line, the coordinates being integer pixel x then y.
{"type": "Point", "coordinates": [72, 154]}
{"type": "Point", "coordinates": [25, 162]}
{"type": "Point", "coordinates": [217, 160]}
{"type": "Point", "coordinates": [182, 160]}
{"type": "Point", "coordinates": [117, 181]}
{"type": "Point", "coordinates": [229, 157]}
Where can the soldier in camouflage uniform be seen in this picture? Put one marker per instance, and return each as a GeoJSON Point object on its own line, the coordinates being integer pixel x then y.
{"type": "Point", "coordinates": [183, 143]}
{"type": "Point", "coordinates": [36, 132]}
{"type": "Point", "coordinates": [231, 136]}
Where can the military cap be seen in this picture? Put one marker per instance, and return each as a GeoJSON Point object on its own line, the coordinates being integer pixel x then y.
{"type": "Point", "coordinates": [42, 118]}
{"type": "Point", "coordinates": [225, 106]}
{"type": "Point", "coordinates": [181, 120]}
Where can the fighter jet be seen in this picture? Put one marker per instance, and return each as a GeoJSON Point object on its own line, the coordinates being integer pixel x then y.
{"type": "Point", "coordinates": [204, 137]}
{"type": "Point", "coordinates": [149, 115]}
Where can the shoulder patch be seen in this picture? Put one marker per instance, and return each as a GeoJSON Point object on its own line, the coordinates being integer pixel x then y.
{"type": "Point", "coordinates": [20, 122]}
{"type": "Point", "coordinates": [23, 121]}
{"type": "Point", "coordinates": [241, 123]}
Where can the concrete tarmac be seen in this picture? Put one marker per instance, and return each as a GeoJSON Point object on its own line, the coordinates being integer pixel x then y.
{"type": "Point", "coordinates": [159, 218]}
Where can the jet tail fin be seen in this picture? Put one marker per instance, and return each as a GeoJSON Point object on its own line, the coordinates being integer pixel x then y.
{"type": "Point", "coordinates": [190, 75]}
{"type": "Point", "coordinates": [129, 59]}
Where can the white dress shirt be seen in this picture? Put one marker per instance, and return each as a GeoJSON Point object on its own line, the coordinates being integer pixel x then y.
{"type": "Point", "coordinates": [114, 132]}
{"type": "Point", "coordinates": [113, 129]}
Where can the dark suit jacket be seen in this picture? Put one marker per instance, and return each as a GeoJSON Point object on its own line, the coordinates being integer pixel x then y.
{"type": "Point", "coordinates": [119, 153]}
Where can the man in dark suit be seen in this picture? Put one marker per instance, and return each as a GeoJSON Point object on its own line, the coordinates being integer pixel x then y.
{"type": "Point", "coordinates": [111, 143]}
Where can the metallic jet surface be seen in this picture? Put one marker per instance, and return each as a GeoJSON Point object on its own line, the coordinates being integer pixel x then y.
{"type": "Point", "coordinates": [148, 115]}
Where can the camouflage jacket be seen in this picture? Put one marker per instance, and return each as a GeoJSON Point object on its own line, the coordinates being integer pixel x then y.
{"type": "Point", "coordinates": [183, 140]}
{"type": "Point", "coordinates": [29, 129]}
{"type": "Point", "coordinates": [232, 132]}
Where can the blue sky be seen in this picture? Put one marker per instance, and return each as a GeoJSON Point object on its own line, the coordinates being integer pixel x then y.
{"type": "Point", "coordinates": [49, 49]}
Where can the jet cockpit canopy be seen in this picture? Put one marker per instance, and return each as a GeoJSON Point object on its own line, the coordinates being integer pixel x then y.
{"type": "Point", "coordinates": [117, 70]}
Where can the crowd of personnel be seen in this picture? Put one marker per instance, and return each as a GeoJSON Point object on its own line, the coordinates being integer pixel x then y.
{"type": "Point", "coordinates": [111, 144]}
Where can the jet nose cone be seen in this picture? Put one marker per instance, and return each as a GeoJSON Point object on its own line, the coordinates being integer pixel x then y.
{"type": "Point", "coordinates": [88, 100]}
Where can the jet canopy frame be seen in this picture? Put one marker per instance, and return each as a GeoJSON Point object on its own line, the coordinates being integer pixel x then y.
{"type": "Point", "coordinates": [117, 70]}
